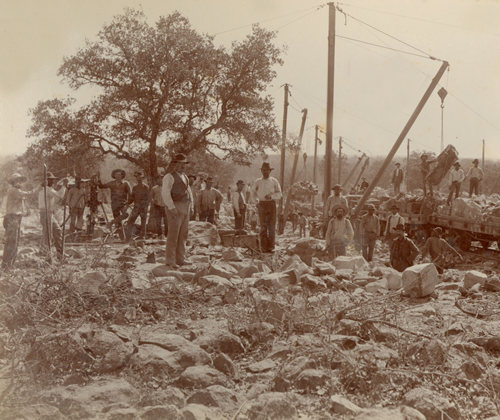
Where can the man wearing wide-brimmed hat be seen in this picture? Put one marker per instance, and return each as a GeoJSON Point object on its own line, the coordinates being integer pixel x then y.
{"type": "Point", "coordinates": [397, 178]}
{"type": "Point", "coordinates": [139, 197]}
{"type": "Point", "coordinates": [339, 233]}
{"type": "Point", "coordinates": [76, 199]}
{"type": "Point", "coordinates": [178, 199]}
{"type": "Point", "coordinates": [439, 250]}
{"type": "Point", "coordinates": [51, 231]}
{"type": "Point", "coordinates": [239, 206]}
{"type": "Point", "coordinates": [15, 209]}
{"type": "Point", "coordinates": [335, 199]}
{"type": "Point", "coordinates": [120, 193]}
{"type": "Point", "coordinates": [393, 220]}
{"type": "Point", "coordinates": [210, 200]}
{"type": "Point", "coordinates": [370, 231]}
{"type": "Point", "coordinates": [403, 250]}
{"type": "Point", "coordinates": [475, 175]}
{"type": "Point", "coordinates": [267, 191]}
{"type": "Point", "coordinates": [457, 176]}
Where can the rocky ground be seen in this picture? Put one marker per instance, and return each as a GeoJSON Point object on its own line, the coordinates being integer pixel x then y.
{"type": "Point", "coordinates": [113, 334]}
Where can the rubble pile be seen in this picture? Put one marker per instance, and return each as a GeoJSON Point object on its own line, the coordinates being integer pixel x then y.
{"type": "Point", "coordinates": [114, 333]}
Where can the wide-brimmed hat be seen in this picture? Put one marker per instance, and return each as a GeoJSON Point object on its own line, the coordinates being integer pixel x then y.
{"type": "Point", "coordinates": [139, 174]}
{"type": "Point", "coordinates": [50, 175]}
{"type": "Point", "coordinates": [210, 178]}
{"type": "Point", "coordinates": [438, 230]}
{"type": "Point", "coordinates": [400, 227]}
{"type": "Point", "coordinates": [240, 182]}
{"type": "Point", "coordinates": [179, 158]}
{"type": "Point", "coordinates": [395, 206]}
{"type": "Point", "coordinates": [475, 161]}
{"type": "Point", "coordinates": [16, 177]}
{"type": "Point", "coordinates": [192, 176]}
{"type": "Point", "coordinates": [397, 164]}
{"type": "Point", "coordinates": [370, 207]}
{"type": "Point", "coordinates": [339, 207]}
{"type": "Point", "coordinates": [117, 170]}
{"type": "Point", "coordinates": [456, 164]}
{"type": "Point", "coordinates": [266, 165]}
{"type": "Point", "coordinates": [337, 187]}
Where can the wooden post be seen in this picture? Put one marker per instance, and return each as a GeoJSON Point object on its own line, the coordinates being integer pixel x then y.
{"type": "Point", "coordinates": [353, 170]}
{"type": "Point", "coordinates": [329, 100]}
{"type": "Point", "coordinates": [401, 137]}
{"type": "Point", "coordinates": [339, 160]}
{"type": "Point", "coordinates": [407, 164]}
{"type": "Point", "coordinates": [283, 142]}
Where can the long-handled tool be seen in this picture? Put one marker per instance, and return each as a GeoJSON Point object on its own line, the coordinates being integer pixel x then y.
{"type": "Point", "coordinates": [63, 231]}
{"type": "Point", "coordinates": [46, 209]}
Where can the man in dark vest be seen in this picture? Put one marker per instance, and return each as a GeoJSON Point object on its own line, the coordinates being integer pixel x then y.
{"type": "Point", "coordinates": [239, 206]}
{"type": "Point", "coordinates": [178, 200]}
{"type": "Point", "coordinates": [397, 178]}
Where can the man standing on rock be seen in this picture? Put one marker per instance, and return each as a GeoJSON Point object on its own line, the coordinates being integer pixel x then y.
{"type": "Point", "coordinates": [120, 193]}
{"type": "Point", "coordinates": [475, 175]}
{"type": "Point", "coordinates": [457, 176]}
{"type": "Point", "coordinates": [370, 230]}
{"type": "Point", "coordinates": [403, 250]}
{"type": "Point", "coordinates": [140, 198]}
{"type": "Point", "coordinates": [335, 199]}
{"type": "Point", "coordinates": [178, 200]}
{"type": "Point", "coordinates": [15, 210]}
{"type": "Point", "coordinates": [239, 206]}
{"type": "Point", "coordinates": [75, 199]}
{"type": "Point", "coordinates": [267, 191]}
{"type": "Point", "coordinates": [339, 233]}
{"type": "Point", "coordinates": [393, 220]}
{"type": "Point", "coordinates": [397, 178]}
{"type": "Point", "coordinates": [210, 201]}
{"type": "Point", "coordinates": [425, 169]}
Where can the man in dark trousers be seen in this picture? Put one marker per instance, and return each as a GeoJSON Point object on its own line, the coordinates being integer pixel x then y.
{"type": "Point", "coordinates": [239, 206]}
{"type": "Point", "coordinates": [210, 201]}
{"type": "Point", "coordinates": [475, 175]}
{"type": "Point", "coordinates": [120, 193]}
{"type": "Point", "coordinates": [370, 231]}
{"type": "Point", "coordinates": [178, 200]}
{"type": "Point", "coordinates": [157, 212]}
{"type": "Point", "coordinates": [140, 199]}
{"type": "Point", "coordinates": [425, 169]}
{"type": "Point", "coordinates": [267, 191]}
{"type": "Point", "coordinates": [397, 178]}
{"type": "Point", "coordinates": [403, 250]}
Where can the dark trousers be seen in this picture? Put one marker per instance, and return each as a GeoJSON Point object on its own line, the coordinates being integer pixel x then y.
{"type": "Point", "coordinates": [207, 215]}
{"type": "Point", "coordinates": [119, 214]}
{"type": "Point", "coordinates": [75, 218]}
{"type": "Point", "coordinates": [368, 245]}
{"type": "Point", "coordinates": [474, 186]}
{"type": "Point", "coordinates": [158, 214]}
{"type": "Point", "coordinates": [267, 221]}
{"type": "Point", "coordinates": [454, 188]}
{"type": "Point", "coordinates": [239, 221]}
{"type": "Point", "coordinates": [397, 188]}
{"type": "Point", "coordinates": [136, 212]}
{"type": "Point", "coordinates": [12, 225]}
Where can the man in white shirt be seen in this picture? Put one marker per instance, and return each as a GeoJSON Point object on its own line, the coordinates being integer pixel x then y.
{"type": "Point", "coordinates": [393, 220]}
{"type": "Point", "coordinates": [267, 190]}
{"type": "Point", "coordinates": [475, 175]}
{"type": "Point", "coordinates": [51, 231]}
{"type": "Point", "coordinates": [457, 176]}
{"type": "Point", "coordinates": [239, 206]}
{"type": "Point", "coordinates": [178, 200]}
{"type": "Point", "coordinates": [339, 233]}
{"type": "Point", "coordinates": [334, 200]}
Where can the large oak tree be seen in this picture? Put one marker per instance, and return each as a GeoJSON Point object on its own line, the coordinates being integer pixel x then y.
{"type": "Point", "coordinates": [163, 88]}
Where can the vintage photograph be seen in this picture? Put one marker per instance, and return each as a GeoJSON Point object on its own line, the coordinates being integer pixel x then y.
{"type": "Point", "coordinates": [250, 210]}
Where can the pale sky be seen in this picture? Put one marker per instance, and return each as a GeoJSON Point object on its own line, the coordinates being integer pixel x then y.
{"type": "Point", "coordinates": [376, 89]}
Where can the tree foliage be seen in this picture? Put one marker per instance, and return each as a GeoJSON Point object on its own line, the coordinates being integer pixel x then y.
{"type": "Point", "coordinates": [164, 88]}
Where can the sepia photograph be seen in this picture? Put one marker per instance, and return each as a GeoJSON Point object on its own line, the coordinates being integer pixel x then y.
{"type": "Point", "coordinates": [250, 210]}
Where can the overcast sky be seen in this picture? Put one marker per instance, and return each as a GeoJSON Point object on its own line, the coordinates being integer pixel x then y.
{"type": "Point", "coordinates": [376, 89]}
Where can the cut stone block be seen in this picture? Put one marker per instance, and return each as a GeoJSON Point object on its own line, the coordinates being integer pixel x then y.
{"type": "Point", "coordinates": [473, 277]}
{"type": "Point", "coordinates": [350, 263]}
{"type": "Point", "coordinates": [420, 280]}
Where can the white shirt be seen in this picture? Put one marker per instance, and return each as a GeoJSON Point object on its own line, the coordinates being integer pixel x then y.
{"type": "Point", "coordinates": [168, 182]}
{"type": "Point", "coordinates": [475, 172]}
{"type": "Point", "coordinates": [392, 221]}
{"type": "Point", "coordinates": [457, 175]}
{"type": "Point", "coordinates": [265, 186]}
{"type": "Point", "coordinates": [52, 197]}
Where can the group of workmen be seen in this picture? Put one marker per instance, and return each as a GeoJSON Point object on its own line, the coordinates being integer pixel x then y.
{"type": "Point", "coordinates": [177, 198]}
{"type": "Point", "coordinates": [457, 177]}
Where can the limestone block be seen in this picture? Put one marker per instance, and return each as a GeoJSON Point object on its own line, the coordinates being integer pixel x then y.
{"type": "Point", "coordinates": [420, 280]}
{"type": "Point", "coordinates": [473, 277]}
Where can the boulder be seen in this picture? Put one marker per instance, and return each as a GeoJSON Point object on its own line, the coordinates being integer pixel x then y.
{"type": "Point", "coordinates": [311, 379]}
{"type": "Point", "coordinates": [128, 413]}
{"type": "Point", "coordinates": [341, 405]}
{"type": "Point", "coordinates": [277, 280]}
{"type": "Point", "coordinates": [109, 350]}
{"type": "Point", "coordinates": [155, 360]}
{"type": "Point", "coordinates": [222, 269]}
{"type": "Point", "coordinates": [394, 278]}
{"type": "Point", "coordinates": [295, 267]}
{"type": "Point", "coordinates": [222, 341]}
{"type": "Point", "coordinates": [307, 248]}
{"type": "Point", "coordinates": [269, 309]}
{"type": "Point", "coordinates": [160, 412]}
{"type": "Point", "coordinates": [35, 411]}
{"type": "Point", "coordinates": [197, 412]}
{"type": "Point", "coordinates": [248, 270]}
{"type": "Point", "coordinates": [91, 282]}
{"type": "Point", "coordinates": [492, 284]}
{"type": "Point", "coordinates": [262, 366]}
{"type": "Point", "coordinates": [399, 413]}
{"type": "Point", "coordinates": [312, 282]}
{"type": "Point", "coordinates": [231, 254]}
{"type": "Point", "coordinates": [420, 280]}
{"type": "Point", "coordinates": [353, 263]}
{"type": "Point", "coordinates": [432, 405]}
{"type": "Point", "coordinates": [201, 377]}
{"type": "Point", "coordinates": [377, 286]}
{"type": "Point", "coordinates": [202, 234]}
{"type": "Point", "coordinates": [473, 277]}
{"type": "Point", "coordinates": [166, 271]}
{"type": "Point", "coordinates": [215, 396]}
{"type": "Point", "coordinates": [220, 284]}
{"type": "Point", "coordinates": [321, 267]}
{"type": "Point", "coordinates": [224, 364]}
{"type": "Point", "coordinates": [271, 405]}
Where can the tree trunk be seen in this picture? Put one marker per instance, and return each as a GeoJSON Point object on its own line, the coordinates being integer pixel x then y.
{"type": "Point", "coordinates": [153, 167]}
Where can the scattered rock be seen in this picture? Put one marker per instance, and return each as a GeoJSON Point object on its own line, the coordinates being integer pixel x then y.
{"type": "Point", "coordinates": [202, 234]}
{"type": "Point", "coordinates": [341, 405]}
{"type": "Point", "coordinates": [201, 377]}
{"type": "Point", "coordinates": [271, 405]}
{"type": "Point", "coordinates": [432, 405]}
{"type": "Point", "coordinates": [128, 413]}
{"type": "Point", "coordinates": [307, 248]}
{"type": "Point", "coordinates": [262, 366]}
{"type": "Point", "coordinates": [160, 412]}
{"type": "Point", "coordinates": [379, 286]}
{"type": "Point", "coordinates": [109, 350]}
{"type": "Point", "coordinates": [215, 396]}
{"type": "Point", "coordinates": [471, 369]}
{"type": "Point", "coordinates": [310, 379]}
{"type": "Point", "coordinates": [492, 284]}
{"type": "Point", "coordinates": [231, 254]}
{"type": "Point", "coordinates": [400, 413]}
{"type": "Point", "coordinates": [224, 364]}
{"type": "Point", "coordinates": [420, 280]}
{"type": "Point", "coordinates": [353, 263]}
{"type": "Point", "coordinates": [166, 271]}
{"type": "Point", "coordinates": [277, 280]}
{"type": "Point", "coordinates": [222, 341]}
{"type": "Point", "coordinates": [222, 269]}
{"type": "Point", "coordinates": [91, 282]}
{"type": "Point", "coordinates": [322, 268]}
{"type": "Point", "coordinates": [35, 411]}
{"type": "Point", "coordinates": [473, 277]}
{"type": "Point", "coordinates": [312, 282]}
